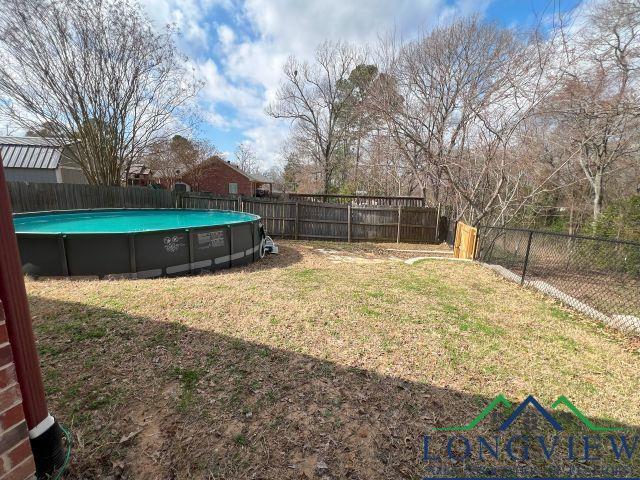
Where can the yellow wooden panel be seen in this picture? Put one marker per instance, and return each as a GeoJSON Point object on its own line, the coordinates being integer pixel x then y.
{"type": "Point", "coordinates": [465, 242]}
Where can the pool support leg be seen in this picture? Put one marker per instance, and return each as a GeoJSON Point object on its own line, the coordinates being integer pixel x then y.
{"type": "Point", "coordinates": [253, 243]}
{"type": "Point", "coordinates": [132, 256]}
{"type": "Point", "coordinates": [45, 434]}
{"type": "Point", "coordinates": [63, 256]}
{"type": "Point", "coordinates": [191, 253]}
{"type": "Point", "coordinates": [230, 230]}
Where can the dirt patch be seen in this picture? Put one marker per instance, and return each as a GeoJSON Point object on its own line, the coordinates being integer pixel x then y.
{"type": "Point", "coordinates": [147, 441]}
{"type": "Point", "coordinates": [379, 253]}
{"type": "Point", "coordinates": [338, 256]}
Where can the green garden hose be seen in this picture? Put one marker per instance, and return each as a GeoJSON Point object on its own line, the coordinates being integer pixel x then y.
{"type": "Point", "coordinates": [67, 457]}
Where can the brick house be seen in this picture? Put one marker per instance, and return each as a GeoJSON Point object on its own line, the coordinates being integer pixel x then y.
{"type": "Point", "coordinates": [222, 177]}
{"type": "Point", "coordinates": [139, 175]}
{"type": "Point", "coordinates": [16, 459]}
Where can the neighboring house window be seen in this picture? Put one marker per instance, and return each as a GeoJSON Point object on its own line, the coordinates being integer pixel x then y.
{"type": "Point", "coordinates": [233, 188]}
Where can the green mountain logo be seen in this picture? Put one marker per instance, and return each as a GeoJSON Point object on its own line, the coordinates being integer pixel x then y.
{"type": "Point", "coordinates": [529, 401]}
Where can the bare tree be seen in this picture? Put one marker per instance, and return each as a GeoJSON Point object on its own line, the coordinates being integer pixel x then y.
{"type": "Point", "coordinates": [315, 97]}
{"type": "Point", "coordinates": [501, 125]}
{"type": "Point", "coordinates": [453, 101]}
{"type": "Point", "coordinates": [276, 174]}
{"type": "Point", "coordinates": [598, 108]}
{"type": "Point", "coordinates": [95, 73]}
{"type": "Point", "coordinates": [246, 157]}
{"type": "Point", "coordinates": [180, 159]}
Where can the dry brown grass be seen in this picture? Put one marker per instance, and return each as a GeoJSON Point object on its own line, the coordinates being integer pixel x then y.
{"type": "Point", "coordinates": [308, 364]}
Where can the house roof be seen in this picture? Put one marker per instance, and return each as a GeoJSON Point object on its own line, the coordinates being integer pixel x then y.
{"type": "Point", "coordinates": [30, 152]}
{"type": "Point", "coordinates": [254, 177]}
{"type": "Point", "coordinates": [139, 169]}
{"type": "Point", "coordinates": [260, 178]}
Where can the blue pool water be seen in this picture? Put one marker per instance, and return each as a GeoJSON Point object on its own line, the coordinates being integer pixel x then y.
{"type": "Point", "coordinates": [124, 221]}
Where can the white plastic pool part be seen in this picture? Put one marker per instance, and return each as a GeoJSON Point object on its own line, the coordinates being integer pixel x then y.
{"type": "Point", "coordinates": [267, 246]}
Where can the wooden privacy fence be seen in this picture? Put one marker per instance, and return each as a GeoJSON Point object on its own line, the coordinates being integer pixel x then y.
{"type": "Point", "coordinates": [359, 200]}
{"type": "Point", "coordinates": [312, 220]}
{"type": "Point", "coordinates": [208, 201]}
{"type": "Point", "coordinates": [282, 218]}
{"type": "Point", "coordinates": [34, 197]}
{"type": "Point", "coordinates": [464, 245]}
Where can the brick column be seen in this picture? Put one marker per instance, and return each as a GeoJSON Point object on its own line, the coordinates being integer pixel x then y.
{"type": "Point", "coordinates": [45, 434]}
{"type": "Point", "coordinates": [16, 460]}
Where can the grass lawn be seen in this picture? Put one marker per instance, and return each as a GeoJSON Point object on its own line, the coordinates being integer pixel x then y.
{"type": "Point", "coordinates": [310, 364]}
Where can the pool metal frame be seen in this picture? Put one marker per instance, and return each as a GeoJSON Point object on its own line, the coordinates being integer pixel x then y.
{"type": "Point", "coordinates": [144, 254]}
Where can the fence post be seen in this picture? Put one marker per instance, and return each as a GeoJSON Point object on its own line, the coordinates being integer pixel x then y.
{"type": "Point", "coordinates": [399, 223]}
{"type": "Point", "coordinates": [297, 219]}
{"type": "Point", "coordinates": [456, 240]}
{"type": "Point", "coordinates": [437, 235]}
{"type": "Point", "coordinates": [349, 223]}
{"type": "Point", "coordinates": [526, 257]}
{"type": "Point", "coordinates": [239, 203]}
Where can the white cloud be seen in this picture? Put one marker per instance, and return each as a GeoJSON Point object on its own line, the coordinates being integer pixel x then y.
{"type": "Point", "coordinates": [214, 118]}
{"type": "Point", "coordinates": [267, 138]}
{"type": "Point", "coordinates": [226, 35]}
{"type": "Point", "coordinates": [240, 57]}
{"type": "Point", "coordinates": [190, 16]}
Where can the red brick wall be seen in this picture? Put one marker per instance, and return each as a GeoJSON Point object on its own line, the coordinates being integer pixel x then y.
{"type": "Point", "coordinates": [16, 461]}
{"type": "Point", "coordinates": [215, 176]}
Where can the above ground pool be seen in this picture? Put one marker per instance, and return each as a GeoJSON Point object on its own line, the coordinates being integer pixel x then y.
{"type": "Point", "coordinates": [142, 243]}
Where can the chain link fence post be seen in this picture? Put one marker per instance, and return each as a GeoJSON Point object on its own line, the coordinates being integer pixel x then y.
{"type": "Point", "coordinates": [526, 257]}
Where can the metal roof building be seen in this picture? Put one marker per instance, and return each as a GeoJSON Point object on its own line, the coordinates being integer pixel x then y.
{"type": "Point", "coordinates": [29, 152]}
{"type": "Point", "coordinates": [40, 160]}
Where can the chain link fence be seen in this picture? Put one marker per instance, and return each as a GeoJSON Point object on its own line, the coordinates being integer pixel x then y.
{"type": "Point", "coordinates": [600, 277]}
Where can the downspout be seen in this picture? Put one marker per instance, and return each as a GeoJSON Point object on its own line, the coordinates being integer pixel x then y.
{"type": "Point", "coordinates": [45, 434]}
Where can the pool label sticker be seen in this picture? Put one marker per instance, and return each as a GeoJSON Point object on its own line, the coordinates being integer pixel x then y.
{"type": "Point", "coordinates": [173, 243]}
{"type": "Point", "coordinates": [210, 239]}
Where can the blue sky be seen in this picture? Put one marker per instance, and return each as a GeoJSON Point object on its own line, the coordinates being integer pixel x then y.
{"type": "Point", "coordinates": [238, 47]}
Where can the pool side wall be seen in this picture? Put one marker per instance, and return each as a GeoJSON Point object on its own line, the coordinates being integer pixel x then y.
{"type": "Point", "coordinates": [141, 255]}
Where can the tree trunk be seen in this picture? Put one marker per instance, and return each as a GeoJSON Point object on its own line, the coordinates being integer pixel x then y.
{"type": "Point", "coordinates": [355, 175]}
{"type": "Point", "coordinates": [327, 176]}
{"type": "Point", "coordinates": [571, 229]}
{"type": "Point", "coordinates": [597, 194]}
